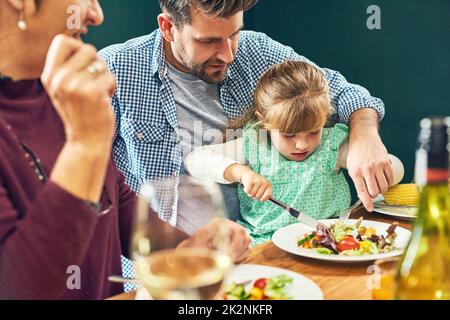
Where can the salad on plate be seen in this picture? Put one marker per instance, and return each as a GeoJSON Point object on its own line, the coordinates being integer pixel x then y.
{"type": "Point", "coordinates": [272, 288]}
{"type": "Point", "coordinates": [349, 240]}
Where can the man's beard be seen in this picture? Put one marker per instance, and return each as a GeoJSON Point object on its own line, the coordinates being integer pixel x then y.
{"type": "Point", "coordinates": [215, 77]}
{"type": "Point", "coordinates": [199, 70]}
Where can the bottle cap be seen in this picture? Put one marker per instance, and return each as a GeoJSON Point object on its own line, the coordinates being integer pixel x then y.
{"type": "Point", "coordinates": [434, 139]}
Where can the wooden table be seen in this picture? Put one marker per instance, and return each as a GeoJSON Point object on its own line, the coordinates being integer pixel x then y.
{"type": "Point", "coordinates": [338, 281]}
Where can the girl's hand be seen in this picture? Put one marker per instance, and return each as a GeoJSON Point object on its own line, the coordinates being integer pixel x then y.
{"type": "Point", "coordinates": [256, 186]}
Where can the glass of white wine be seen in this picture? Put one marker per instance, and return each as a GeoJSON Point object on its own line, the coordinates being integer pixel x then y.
{"type": "Point", "coordinates": [188, 270]}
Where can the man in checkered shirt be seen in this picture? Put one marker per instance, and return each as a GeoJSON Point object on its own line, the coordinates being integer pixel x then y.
{"type": "Point", "coordinates": [200, 58]}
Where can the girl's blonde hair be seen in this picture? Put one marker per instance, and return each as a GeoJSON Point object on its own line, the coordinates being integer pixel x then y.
{"type": "Point", "coordinates": [291, 97]}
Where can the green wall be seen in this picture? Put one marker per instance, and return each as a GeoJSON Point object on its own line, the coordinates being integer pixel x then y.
{"type": "Point", "coordinates": [124, 20]}
{"type": "Point", "coordinates": [406, 63]}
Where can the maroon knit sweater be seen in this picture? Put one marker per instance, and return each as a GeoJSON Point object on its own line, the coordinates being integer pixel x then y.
{"type": "Point", "coordinates": [43, 229]}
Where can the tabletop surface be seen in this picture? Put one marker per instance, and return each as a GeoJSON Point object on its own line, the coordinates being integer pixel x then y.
{"type": "Point", "coordinates": [337, 280]}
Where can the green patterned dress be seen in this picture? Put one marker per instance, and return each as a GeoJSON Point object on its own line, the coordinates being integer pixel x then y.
{"type": "Point", "coordinates": [312, 186]}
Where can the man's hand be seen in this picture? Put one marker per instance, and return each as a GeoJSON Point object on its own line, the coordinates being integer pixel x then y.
{"type": "Point", "coordinates": [239, 241]}
{"type": "Point", "coordinates": [367, 161]}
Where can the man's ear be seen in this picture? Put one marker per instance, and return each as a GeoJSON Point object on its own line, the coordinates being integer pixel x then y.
{"type": "Point", "coordinates": [28, 7]}
{"type": "Point", "coordinates": [166, 26]}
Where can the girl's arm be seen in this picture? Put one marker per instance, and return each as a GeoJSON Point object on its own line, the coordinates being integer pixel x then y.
{"type": "Point", "coordinates": [341, 162]}
{"type": "Point", "coordinates": [210, 162]}
{"type": "Point", "coordinates": [224, 163]}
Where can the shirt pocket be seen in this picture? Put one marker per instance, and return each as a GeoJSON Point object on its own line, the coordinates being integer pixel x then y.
{"type": "Point", "coordinates": [149, 149]}
{"type": "Point", "coordinates": [142, 132]}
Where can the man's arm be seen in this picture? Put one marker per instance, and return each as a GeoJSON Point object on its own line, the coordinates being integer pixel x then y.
{"type": "Point", "coordinates": [367, 161]}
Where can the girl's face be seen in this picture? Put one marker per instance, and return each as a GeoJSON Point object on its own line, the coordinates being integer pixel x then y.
{"type": "Point", "coordinates": [296, 147]}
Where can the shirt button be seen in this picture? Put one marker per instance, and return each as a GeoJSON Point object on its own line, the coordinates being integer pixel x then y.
{"type": "Point", "coordinates": [140, 135]}
{"type": "Point", "coordinates": [175, 173]}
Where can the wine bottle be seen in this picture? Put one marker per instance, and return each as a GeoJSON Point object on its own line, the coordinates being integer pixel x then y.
{"type": "Point", "coordinates": [424, 270]}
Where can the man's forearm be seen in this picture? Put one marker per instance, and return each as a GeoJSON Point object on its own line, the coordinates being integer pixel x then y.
{"type": "Point", "coordinates": [365, 120]}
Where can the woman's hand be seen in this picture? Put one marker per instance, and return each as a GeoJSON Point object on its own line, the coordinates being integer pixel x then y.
{"type": "Point", "coordinates": [239, 241]}
{"type": "Point", "coordinates": [80, 88]}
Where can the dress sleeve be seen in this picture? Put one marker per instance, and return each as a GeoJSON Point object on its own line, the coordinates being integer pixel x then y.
{"type": "Point", "coordinates": [36, 250]}
{"type": "Point", "coordinates": [337, 138]}
{"type": "Point", "coordinates": [127, 207]}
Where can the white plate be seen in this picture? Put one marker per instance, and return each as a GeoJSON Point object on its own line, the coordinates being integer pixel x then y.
{"type": "Point", "coordinates": [405, 213]}
{"type": "Point", "coordinates": [286, 239]}
{"type": "Point", "coordinates": [301, 288]}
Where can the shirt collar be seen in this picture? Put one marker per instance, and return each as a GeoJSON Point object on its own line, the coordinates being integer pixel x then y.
{"type": "Point", "coordinates": [158, 59]}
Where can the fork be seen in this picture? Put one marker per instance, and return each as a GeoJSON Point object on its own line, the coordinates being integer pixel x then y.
{"type": "Point", "coordinates": [347, 212]}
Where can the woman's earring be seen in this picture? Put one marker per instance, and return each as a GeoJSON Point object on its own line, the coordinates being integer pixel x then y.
{"type": "Point", "coordinates": [21, 24]}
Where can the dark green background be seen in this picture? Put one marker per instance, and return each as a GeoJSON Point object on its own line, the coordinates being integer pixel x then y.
{"type": "Point", "coordinates": [406, 63]}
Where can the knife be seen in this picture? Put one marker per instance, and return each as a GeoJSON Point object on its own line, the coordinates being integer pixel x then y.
{"type": "Point", "coordinates": [300, 216]}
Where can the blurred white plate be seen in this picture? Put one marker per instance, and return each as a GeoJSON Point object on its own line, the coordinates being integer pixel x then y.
{"type": "Point", "coordinates": [286, 239]}
{"type": "Point", "coordinates": [401, 212]}
{"type": "Point", "coordinates": [301, 288]}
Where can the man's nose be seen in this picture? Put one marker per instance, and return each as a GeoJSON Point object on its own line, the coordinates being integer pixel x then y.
{"type": "Point", "coordinates": [225, 53]}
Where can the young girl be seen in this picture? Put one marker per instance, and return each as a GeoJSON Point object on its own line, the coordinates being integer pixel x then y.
{"type": "Point", "coordinates": [284, 152]}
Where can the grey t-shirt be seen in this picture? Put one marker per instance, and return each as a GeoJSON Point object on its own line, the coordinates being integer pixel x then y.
{"type": "Point", "coordinates": [201, 121]}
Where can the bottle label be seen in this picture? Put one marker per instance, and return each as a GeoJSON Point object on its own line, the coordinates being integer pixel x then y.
{"type": "Point", "coordinates": [437, 175]}
{"type": "Point", "coordinates": [421, 167]}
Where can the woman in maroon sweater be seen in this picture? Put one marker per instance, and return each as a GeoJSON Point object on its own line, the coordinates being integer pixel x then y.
{"type": "Point", "coordinates": [62, 202]}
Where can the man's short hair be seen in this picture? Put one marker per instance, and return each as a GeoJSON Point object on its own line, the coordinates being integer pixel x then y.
{"type": "Point", "coordinates": [179, 10]}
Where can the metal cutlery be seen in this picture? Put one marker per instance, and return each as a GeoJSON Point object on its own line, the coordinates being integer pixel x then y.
{"type": "Point", "coordinates": [119, 279]}
{"type": "Point", "coordinates": [300, 216]}
{"type": "Point", "coordinates": [345, 214]}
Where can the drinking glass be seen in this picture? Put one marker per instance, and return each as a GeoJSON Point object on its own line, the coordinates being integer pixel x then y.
{"type": "Point", "coordinates": [167, 267]}
{"type": "Point", "coordinates": [383, 285]}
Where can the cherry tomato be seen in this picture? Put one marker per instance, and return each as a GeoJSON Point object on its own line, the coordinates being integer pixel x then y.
{"type": "Point", "coordinates": [261, 283]}
{"type": "Point", "coordinates": [348, 243]}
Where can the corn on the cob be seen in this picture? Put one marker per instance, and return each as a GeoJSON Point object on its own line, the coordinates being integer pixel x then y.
{"type": "Point", "coordinates": [403, 195]}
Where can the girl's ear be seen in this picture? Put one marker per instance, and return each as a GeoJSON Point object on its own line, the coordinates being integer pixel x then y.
{"type": "Point", "coordinates": [165, 26]}
{"type": "Point", "coordinates": [258, 115]}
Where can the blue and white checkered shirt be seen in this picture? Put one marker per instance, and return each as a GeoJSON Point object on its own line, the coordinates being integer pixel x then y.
{"type": "Point", "coordinates": [146, 144]}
